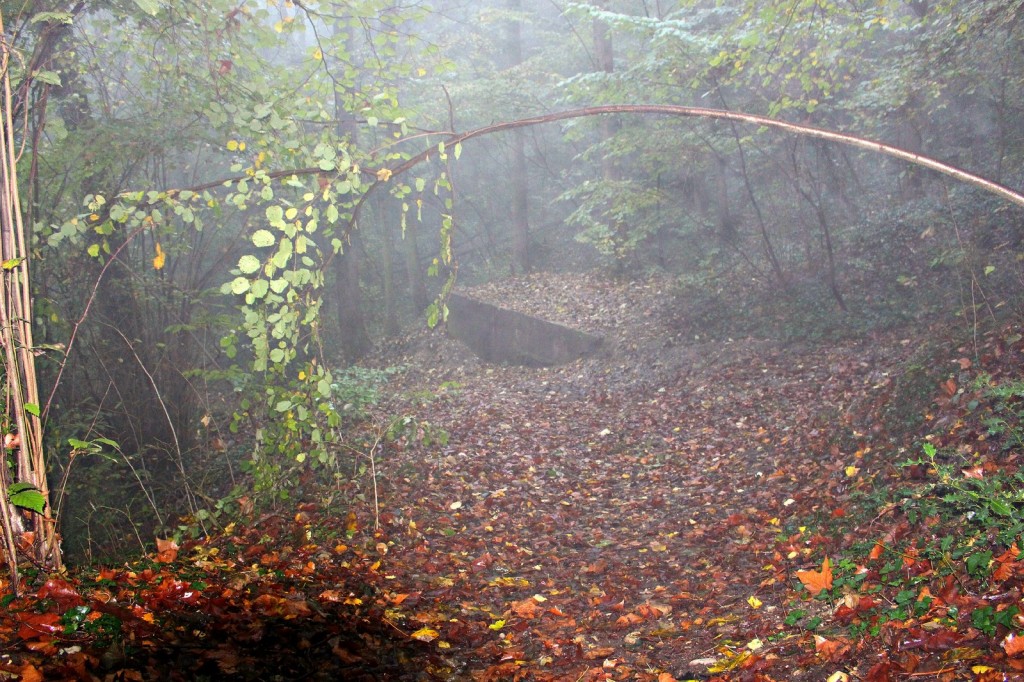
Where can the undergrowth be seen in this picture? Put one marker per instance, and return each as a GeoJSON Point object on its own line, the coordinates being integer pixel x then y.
{"type": "Point", "coordinates": [930, 557]}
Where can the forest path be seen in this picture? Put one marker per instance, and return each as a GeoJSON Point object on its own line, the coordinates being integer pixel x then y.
{"type": "Point", "coordinates": [635, 513]}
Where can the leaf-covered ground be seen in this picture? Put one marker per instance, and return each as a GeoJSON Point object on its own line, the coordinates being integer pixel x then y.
{"type": "Point", "coordinates": [665, 511]}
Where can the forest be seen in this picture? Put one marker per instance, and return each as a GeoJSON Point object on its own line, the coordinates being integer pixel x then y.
{"type": "Point", "coordinates": [655, 340]}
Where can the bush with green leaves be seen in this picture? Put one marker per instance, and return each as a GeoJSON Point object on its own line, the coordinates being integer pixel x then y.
{"type": "Point", "coordinates": [985, 502]}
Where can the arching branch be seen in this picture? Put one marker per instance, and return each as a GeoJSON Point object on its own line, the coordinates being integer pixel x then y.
{"type": "Point", "coordinates": [700, 112]}
{"type": "Point", "coordinates": [664, 110]}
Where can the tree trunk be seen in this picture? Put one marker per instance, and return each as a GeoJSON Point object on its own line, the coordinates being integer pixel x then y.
{"type": "Point", "coordinates": [413, 269]}
{"type": "Point", "coordinates": [604, 54]}
{"type": "Point", "coordinates": [520, 185]}
{"type": "Point", "coordinates": [355, 342]}
{"type": "Point", "coordinates": [384, 215]}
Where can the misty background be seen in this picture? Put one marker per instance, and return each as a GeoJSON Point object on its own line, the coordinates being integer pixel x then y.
{"type": "Point", "coordinates": [244, 107]}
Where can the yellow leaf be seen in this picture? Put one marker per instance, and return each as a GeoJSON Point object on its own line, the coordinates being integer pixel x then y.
{"type": "Point", "coordinates": [731, 661]}
{"type": "Point", "coordinates": [160, 258]}
{"type": "Point", "coordinates": [384, 174]}
{"type": "Point", "coordinates": [497, 625]}
{"type": "Point", "coordinates": [425, 634]}
{"type": "Point", "coordinates": [852, 471]}
{"type": "Point", "coordinates": [232, 145]}
{"type": "Point", "coordinates": [754, 602]}
{"type": "Point", "coordinates": [318, 54]}
{"type": "Point", "coordinates": [421, 71]}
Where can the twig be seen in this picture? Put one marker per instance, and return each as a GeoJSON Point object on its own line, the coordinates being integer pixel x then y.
{"type": "Point", "coordinates": [192, 505]}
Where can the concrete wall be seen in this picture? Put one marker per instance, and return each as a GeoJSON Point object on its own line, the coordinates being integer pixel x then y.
{"type": "Point", "coordinates": [507, 337]}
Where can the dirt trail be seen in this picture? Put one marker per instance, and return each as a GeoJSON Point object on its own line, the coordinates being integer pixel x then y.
{"type": "Point", "coordinates": [624, 513]}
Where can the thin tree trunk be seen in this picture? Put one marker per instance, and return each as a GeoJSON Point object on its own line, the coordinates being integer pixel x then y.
{"type": "Point", "coordinates": [413, 269]}
{"type": "Point", "coordinates": [387, 235]}
{"type": "Point", "coordinates": [520, 185]}
{"type": "Point", "coordinates": [22, 389]}
{"type": "Point", "coordinates": [349, 294]}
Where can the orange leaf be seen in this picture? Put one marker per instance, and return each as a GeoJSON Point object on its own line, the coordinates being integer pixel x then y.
{"type": "Point", "coordinates": [816, 581]}
{"type": "Point", "coordinates": [1006, 563]}
{"type": "Point", "coordinates": [628, 620]}
{"type": "Point", "coordinates": [30, 673]}
{"type": "Point", "coordinates": [166, 551]}
{"type": "Point", "coordinates": [526, 608]}
{"type": "Point", "coordinates": [877, 550]}
{"type": "Point", "coordinates": [973, 472]}
{"type": "Point", "coordinates": [1013, 645]}
{"type": "Point", "coordinates": [830, 649]}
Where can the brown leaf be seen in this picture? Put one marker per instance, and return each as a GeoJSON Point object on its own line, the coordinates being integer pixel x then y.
{"type": "Point", "coordinates": [949, 387]}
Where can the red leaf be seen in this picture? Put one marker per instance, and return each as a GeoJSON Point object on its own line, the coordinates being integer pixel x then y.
{"type": "Point", "coordinates": [61, 592]}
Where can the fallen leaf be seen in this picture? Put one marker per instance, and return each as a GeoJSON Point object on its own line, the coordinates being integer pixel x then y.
{"type": "Point", "coordinates": [29, 673]}
{"type": "Point", "coordinates": [166, 550]}
{"type": "Point", "coordinates": [526, 608]}
{"type": "Point", "coordinates": [816, 581]}
{"type": "Point", "coordinates": [425, 634]}
{"type": "Point", "coordinates": [830, 649]}
{"type": "Point", "coordinates": [1013, 645]}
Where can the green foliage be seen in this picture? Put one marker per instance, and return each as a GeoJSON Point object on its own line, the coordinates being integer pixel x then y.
{"type": "Point", "coordinates": [26, 496]}
{"type": "Point", "coordinates": [301, 423]}
{"type": "Point", "coordinates": [980, 501]}
{"type": "Point", "coordinates": [1005, 419]}
{"type": "Point", "coordinates": [355, 389]}
{"type": "Point", "coordinates": [614, 217]}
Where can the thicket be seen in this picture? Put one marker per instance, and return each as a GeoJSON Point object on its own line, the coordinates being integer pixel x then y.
{"type": "Point", "coordinates": [218, 234]}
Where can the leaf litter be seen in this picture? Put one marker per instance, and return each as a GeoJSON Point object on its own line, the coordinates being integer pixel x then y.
{"type": "Point", "coordinates": [675, 508]}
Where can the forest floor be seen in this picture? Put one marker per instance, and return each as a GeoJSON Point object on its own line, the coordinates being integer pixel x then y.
{"type": "Point", "coordinates": [674, 508]}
